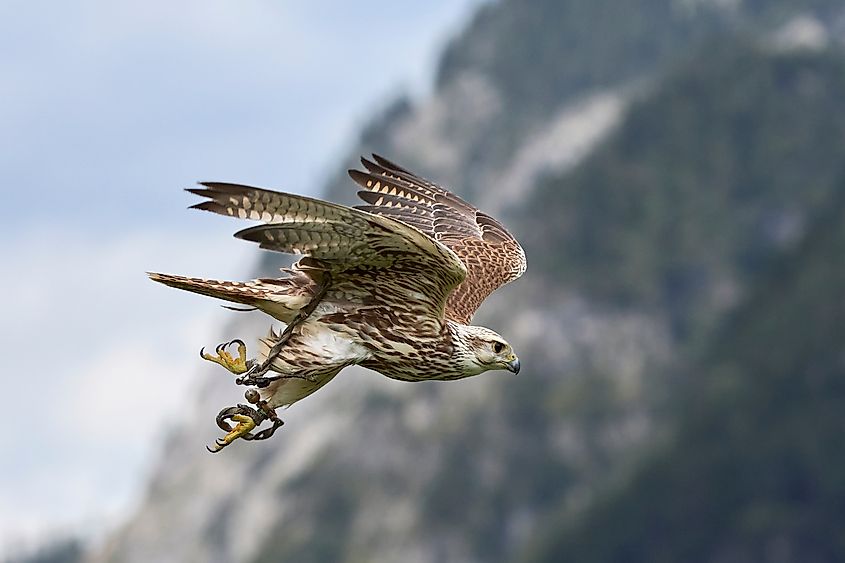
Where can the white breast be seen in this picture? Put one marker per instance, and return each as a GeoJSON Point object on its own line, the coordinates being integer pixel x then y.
{"type": "Point", "coordinates": [333, 345]}
{"type": "Point", "coordinates": [333, 350]}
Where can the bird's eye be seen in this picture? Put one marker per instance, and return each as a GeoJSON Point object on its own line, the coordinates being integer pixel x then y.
{"type": "Point", "coordinates": [498, 347]}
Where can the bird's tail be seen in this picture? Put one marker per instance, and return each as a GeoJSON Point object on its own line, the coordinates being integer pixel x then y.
{"type": "Point", "coordinates": [281, 298]}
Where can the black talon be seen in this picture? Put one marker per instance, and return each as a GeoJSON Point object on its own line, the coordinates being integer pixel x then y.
{"type": "Point", "coordinates": [202, 352]}
{"type": "Point", "coordinates": [218, 444]}
{"type": "Point", "coordinates": [223, 416]}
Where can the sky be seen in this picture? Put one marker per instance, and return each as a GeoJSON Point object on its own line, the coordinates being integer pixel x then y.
{"type": "Point", "coordinates": [107, 110]}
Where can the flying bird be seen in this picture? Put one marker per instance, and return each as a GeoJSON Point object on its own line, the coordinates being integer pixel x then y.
{"type": "Point", "coordinates": [390, 285]}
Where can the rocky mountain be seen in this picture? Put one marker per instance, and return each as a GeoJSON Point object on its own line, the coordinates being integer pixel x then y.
{"type": "Point", "coordinates": [675, 170]}
{"type": "Point", "coordinates": [754, 470]}
{"type": "Point", "coordinates": [751, 269]}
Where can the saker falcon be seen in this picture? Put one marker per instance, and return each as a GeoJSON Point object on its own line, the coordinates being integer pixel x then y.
{"type": "Point", "coordinates": [391, 285]}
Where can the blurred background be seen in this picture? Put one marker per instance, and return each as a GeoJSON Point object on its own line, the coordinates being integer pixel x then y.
{"type": "Point", "coordinates": [674, 168]}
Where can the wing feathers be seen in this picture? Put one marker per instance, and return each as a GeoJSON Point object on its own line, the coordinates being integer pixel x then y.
{"type": "Point", "coordinates": [247, 202]}
{"type": "Point", "coordinates": [491, 229]}
{"type": "Point", "coordinates": [409, 217]}
{"type": "Point", "coordinates": [438, 193]}
{"type": "Point", "coordinates": [338, 238]}
{"type": "Point", "coordinates": [392, 187]}
{"type": "Point", "coordinates": [490, 253]}
{"type": "Point", "coordinates": [324, 241]}
{"type": "Point", "coordinates": [406, 217]}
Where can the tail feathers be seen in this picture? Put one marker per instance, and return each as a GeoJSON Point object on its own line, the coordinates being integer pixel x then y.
{"type": "Point", "coordinates": [280, 298]}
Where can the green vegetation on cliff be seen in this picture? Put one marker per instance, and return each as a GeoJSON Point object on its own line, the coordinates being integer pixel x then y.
{"type": "Point", "coordinates": [718, 171]}
{"type": "Point", "coordinates": [732, 173]}
{"type": "Point", "coordinates": [756, 468]}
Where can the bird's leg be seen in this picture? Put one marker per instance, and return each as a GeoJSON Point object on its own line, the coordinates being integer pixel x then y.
{"type": "Point", "coordinates": [247, 419]}
{"type": "Point", "coordinates": [245, 424]}
{"type": "Point", "coordinates": [251, 371]}
{"type": "Point", "coordinates": [235, 365]}
{"type": "Point", "coordinates": [254, 376]}
{"type": "Point", "coordinates": [267, 411]}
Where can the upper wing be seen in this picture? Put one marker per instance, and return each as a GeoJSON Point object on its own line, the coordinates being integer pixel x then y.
{"type": "Point", "coordinates": [345, 241]}
{"type": "Point", "coordinates": [489, 252]}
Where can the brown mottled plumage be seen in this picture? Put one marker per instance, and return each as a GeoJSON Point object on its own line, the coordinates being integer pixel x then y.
{"type": "Point", "coordinates": [408, 271]}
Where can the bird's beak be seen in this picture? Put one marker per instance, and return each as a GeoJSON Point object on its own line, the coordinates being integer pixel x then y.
{"type": "Point", "coordinates": [513, 365]}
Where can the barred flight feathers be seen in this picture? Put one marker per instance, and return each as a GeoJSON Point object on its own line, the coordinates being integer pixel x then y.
{"type": "Point", "coordinates": [343, 239]}
{"type": "Point", "coordinates": [490, 253]}
{"type": "Point", "coordinates": [247, 202]}
{"type": "Point", "coordinates": [281, 297]}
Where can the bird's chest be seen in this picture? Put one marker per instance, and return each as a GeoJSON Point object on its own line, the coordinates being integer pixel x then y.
{"type": "Point", "coordinates": [412, 369]}
{"type": "Point", "coordinates": [329, 343]}
{"type": "Point", "coordinates": [404, 340]}
{"type": "Point", "coordinates": [316, 348]}
{"type": "Point", "coordinates": [409, 357]}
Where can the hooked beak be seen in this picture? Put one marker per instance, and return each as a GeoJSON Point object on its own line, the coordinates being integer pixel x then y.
{"type": "Point", "coordinates": [513, 365]}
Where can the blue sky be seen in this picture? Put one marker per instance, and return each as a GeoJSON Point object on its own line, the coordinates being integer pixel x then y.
{"type": "Point", "coordinates": [107, 110]}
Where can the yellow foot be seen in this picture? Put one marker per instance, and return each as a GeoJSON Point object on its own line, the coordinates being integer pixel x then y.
{"type": "Point", "coordinates": [244, 426]}
{"type": "Point", "coordinates": [247, 419]}
{"type": "Point", "coordinates": [237, 365]}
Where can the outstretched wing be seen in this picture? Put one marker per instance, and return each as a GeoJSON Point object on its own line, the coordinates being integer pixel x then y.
{"type": "Point", "coordinates": [345, 241]}
{"type": "Point", "coordinates": [489, 252]}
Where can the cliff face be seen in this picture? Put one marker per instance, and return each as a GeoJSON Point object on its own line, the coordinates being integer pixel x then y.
{"type": "Point", "coordinates": [748, 263]}
{"type": "Point", "coordinates": [755, 469]}
{"type": "Point", "coordinates": [658, 163]}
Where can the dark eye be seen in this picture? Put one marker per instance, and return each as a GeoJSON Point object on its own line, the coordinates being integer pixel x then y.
{"type": "Point", "coordinates": [498, 347]}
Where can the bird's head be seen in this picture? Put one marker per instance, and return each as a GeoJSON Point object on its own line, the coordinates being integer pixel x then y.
{"type": "Point", "coordinates": [483, 350]}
